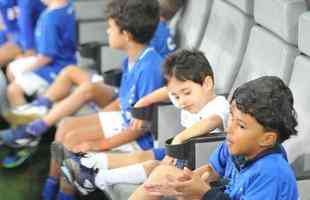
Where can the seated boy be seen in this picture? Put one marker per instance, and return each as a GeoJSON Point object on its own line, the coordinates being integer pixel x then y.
{"type": "Point", "coordinates": [251, 160]}
{"type": "Point", "coordinates": [19, 19]}
{"type": "Point", "coordinates": [190, 83]}
{"type": "Point", "coordinates": [10, 46]}
{"type": "Point", "coordinates": [55, 46]}
{"type": "Point", "coordinates": [89, 90]}
{"type": "Point", "coordinates": [132, 24]}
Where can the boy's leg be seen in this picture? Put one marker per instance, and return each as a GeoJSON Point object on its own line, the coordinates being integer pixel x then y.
{"type": "Point", "coordinates": [100, 93]}
{"type": "Point", "coordinates": [8, 52]}
{"type": "Point", "coordinates": [68, 77]}
{"type": "Point", "coordinates": [66, 191]}
{"type": "Point", "coordinates": [15, 95]}
{"type": "Point", "coordinates": [76, 130]}
{"type": "Point", "coordinates": [158, 175]}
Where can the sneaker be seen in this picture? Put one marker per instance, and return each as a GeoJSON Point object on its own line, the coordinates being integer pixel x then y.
{"type": "Point", "coordinates": [81, 177]}
{"type": "Point", "coordinates": [17, 138]}
{"type": "Point", "coordinates": [25, 114]}
{"type": "Point", "coordinates": [15, 159]}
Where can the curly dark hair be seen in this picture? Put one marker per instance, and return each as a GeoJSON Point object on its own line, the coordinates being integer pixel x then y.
{"type": "Point", "coordinates": [270, 102]}
{"type": "Point", "coordinates": [138, 17]}
{"type": "Point", "coordinates": [187, 65]}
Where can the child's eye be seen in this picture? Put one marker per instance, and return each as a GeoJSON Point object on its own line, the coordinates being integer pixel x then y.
{"type": "Point", "coordinates": [241, 126]}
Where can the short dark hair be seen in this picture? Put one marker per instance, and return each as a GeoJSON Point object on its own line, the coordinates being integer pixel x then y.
{"type": "Point", "coordinates": [168, 8]}
{"type": "Point", "coordinates": [187, 65]}
{"type": "Point", "coordinates": [270, 102]}
{"type": "Point", "coordinates": [138, 17]}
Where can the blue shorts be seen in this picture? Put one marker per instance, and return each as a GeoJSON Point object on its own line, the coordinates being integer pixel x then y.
{"type": "Point", "coordinates": [159, 153]}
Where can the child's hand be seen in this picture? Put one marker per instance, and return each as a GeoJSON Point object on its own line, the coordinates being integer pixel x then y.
{"type": "Point", "coordinates": [168, 160]}
{"type": "Point", "coordinates": [207, 173]}
{"type": "Point", "coordinates": [138, 124]}
{"type": "Point", "coordinates": [189, 185]}
{"type": "Point", "coordinates": [176, 140]}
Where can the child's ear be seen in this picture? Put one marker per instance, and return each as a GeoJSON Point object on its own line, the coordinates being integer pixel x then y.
{"type": "Point", "coordinates": [268, 139]}
{"type": "Point", "coordinates": [208, 83]}
{"type": "Point", "coordinates": [128, 36]}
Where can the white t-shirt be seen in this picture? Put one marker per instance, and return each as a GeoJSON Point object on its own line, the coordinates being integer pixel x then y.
{"type": "Point", "coordinates": [218, 106]}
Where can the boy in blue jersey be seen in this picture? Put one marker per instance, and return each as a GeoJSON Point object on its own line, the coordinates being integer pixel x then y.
{"type": "Point", "coordinates": [29, 12]}
{"type": "Point", "coordinates": [55, 46]}
{"type": "Point", "coordinates": [90, 89]}
{"type": "Point", "coordinates": [20, 18]}
{"type": "Point", "coordinates": [131, 27]}
{"type": "Point", "coordinates": [190, 86]}
{"type": "Point", "coordinates": [251, 161]}
{"type": "Point", "coordinates": [10, 48]}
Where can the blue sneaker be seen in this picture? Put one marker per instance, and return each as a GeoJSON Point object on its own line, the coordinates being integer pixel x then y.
{"type": "Point", "coordinates": [81, 177]}
{"type": "Point", "coordinates": [17, 158]}
{"type": "Point", "coordinates": [19, 137]}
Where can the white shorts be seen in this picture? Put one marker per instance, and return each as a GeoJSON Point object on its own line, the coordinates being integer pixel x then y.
{"type": "Point", "coordinates": [112, 123]}
{"type": "Point", "coordinates": [31, 83]}
{"type": "Point", "coordinates": [20, 65]}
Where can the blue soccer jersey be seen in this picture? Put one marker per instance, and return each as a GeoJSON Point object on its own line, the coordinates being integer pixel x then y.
{"type": "Point", "coordinates": [9, 11]}
{"type": "Point", "coordinates": [138, 80]}
{"type": "Point", "coordinates": [56, 39]}
{"type": "Point", "coordinates": [162, 40]}
{"type": "Point", "coordinates": [268, 176]}
{"type": "Point", "coordinates": [29, 13]}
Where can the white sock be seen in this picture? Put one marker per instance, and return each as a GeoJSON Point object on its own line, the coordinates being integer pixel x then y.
{"type": "Point", "coordinates": [133, 174]}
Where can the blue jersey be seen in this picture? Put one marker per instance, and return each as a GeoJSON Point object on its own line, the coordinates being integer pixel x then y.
{"type": "Point", "coordinates": [8, 11]}
{"type": "Point", "coordinates": [29, 13]}
{"type": "Point", "coordinates": [137, 81]}
{"type": "Point", "coordinates": [268, 176]}
{"type": "Point", "coordinates": [56, 39]}
{"type": "Point", "coordinates": [2, 38]}
{"type": "Point", "coordinates": [162, 40]}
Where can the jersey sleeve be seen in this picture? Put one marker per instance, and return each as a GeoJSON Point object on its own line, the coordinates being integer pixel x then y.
{"type": "Point", "coordinates": [219, 158]}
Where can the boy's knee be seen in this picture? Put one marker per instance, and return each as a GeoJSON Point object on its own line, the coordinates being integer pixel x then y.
{"type": "Point", "coordinates": [69, 71]}
{"type": "Point", "coordinates": [14, 88]}
{"type": "Point", "coordinates": [87, 90]}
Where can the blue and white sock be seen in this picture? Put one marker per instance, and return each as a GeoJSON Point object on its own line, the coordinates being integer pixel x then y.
{"type": "Point", "coordinates": [37, 127]}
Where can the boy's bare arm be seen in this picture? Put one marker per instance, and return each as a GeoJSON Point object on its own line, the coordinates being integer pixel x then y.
{"type": "Point", "coordinates": [40, 61]}
{"type": "Point", "coordinates": [113, 106]}
{"type": "Point", "coordinates": [158, 95]}
{"type": "Point", "coordinates": [204, 126]}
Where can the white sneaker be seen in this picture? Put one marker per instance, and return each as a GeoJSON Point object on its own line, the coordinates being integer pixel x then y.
{"type": "Point", "coordinates": [25, 114]}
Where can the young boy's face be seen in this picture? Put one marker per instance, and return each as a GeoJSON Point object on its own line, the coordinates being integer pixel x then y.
{"type": "Point", "coordinates": [189, 95]}
{"type": "Point", "coordinates": [245, 135]}
{"type": "Point", "coordinates": [117, 38]}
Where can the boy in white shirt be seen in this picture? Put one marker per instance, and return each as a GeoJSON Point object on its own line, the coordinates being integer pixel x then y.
{"type": "Point", "coordinates": [190, 86]}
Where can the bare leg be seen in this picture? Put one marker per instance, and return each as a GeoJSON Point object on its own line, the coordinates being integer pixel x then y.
{"type": "Point", "coordinates": [8, 52]}
{"type": "Point", "coordinates": [116, 160]}
{"type": "Point", "coordinates": [15, 95]}
{"type": "Point", "coordinates": [71, 75]}
{"type": "Point", "coordinates": [76, 130]}
{"type": "Point", "coordinates": [157, 175]}
{"type": "Point", "coordinates": [97, 92]}
{"type": "Point", "coordinates": [66, 187]}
